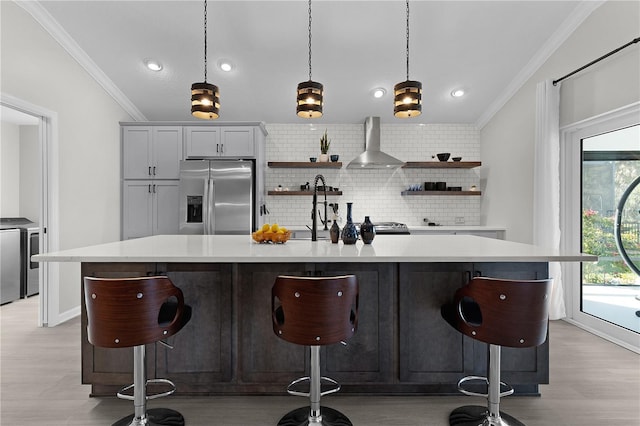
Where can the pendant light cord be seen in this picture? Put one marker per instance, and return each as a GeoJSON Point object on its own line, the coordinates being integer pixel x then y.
{"type": "Point", "coordinates": [407, 40]}
{"type": "Point", "coordinates": [205, 41]}
{"type": "Point", "coordinates": [309, 40]}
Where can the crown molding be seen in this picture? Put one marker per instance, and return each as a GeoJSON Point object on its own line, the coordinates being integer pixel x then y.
{"type": "Point", "coordinates": [44, 18]}
{"type": "Point", "coordinates": [581, 12]}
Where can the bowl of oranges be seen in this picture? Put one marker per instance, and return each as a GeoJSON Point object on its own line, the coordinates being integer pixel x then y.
{"type": "Point", "coordinates": [273, 233]}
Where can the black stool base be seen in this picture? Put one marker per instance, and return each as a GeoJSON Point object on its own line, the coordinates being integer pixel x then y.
{"type": "Point", "coordinates": [300, 417]}
{"type": "Point", "coordinates": [475, 415]}
{"type": "Point", "coordinates": [156, 416]}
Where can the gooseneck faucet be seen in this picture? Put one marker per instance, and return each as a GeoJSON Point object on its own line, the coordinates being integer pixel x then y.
{"type": "Point", "coordinates": [314, 231]}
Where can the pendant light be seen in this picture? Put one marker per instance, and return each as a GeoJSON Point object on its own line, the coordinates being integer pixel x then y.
{"type": "Point", "coordinates": [408, 94]}
{"type": "Point", "coordinates": [309, 92]}
{"type": "Point", "coordinates": [205, 98]}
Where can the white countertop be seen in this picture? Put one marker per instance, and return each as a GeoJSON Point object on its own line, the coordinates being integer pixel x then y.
{"type": "Point", "coordinates": [242, 249]}
{"type": "Point", "coordinates": [456, 228]}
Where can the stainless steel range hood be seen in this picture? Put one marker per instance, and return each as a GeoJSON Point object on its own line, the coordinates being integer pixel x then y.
{"type": "Point", "coordinates": [372, 157]}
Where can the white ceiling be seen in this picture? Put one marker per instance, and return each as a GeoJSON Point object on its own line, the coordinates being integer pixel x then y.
{"type": "Point", "coordinates": [484, 47]}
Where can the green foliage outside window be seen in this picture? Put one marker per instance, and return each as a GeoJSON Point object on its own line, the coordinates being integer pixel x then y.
{"type": "Point", "coordinates": [598, 238]}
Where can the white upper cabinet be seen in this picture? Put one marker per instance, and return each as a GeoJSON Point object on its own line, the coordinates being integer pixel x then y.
{"type": "Point", "coordinates": [151, 152]}
{"type": "Point", "coordinates": [212, 142]}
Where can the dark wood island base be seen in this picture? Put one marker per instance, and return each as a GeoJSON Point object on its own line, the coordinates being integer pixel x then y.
{"type": "Point", "coordinates": [402, 345]}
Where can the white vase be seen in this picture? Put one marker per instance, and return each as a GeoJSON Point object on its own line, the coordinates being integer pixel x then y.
{"type": "Point", "coordinates": [323, 158]}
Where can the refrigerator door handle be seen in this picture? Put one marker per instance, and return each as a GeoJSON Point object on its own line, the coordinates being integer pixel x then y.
{"type": "Point", "coordinates": [212, 207]}
{"type": "Point", "coordinates": [209, 207]}
{"type": "Point", "coordinates": [205, 208]}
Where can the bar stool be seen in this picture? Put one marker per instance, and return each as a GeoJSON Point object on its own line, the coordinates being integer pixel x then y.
{"type": "Point", "coordinates": [501, 313]}
{"type": "Point", "coordinates": [128, 312]}
{"type": "Point", "coordinates": [314, 311]}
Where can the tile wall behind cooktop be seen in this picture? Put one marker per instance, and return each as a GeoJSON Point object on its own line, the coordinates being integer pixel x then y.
{"type": "Point", "coordinates": [375, 192]}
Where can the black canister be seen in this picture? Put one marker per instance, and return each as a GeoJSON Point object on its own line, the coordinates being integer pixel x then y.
{"type": "Point", "coordinates": [367, 231]}
{"type": "Point", "coordinates": [429, 186]}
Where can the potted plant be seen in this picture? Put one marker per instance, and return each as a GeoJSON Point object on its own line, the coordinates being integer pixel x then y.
{"type": "Point", "coordinates": [325, 142]}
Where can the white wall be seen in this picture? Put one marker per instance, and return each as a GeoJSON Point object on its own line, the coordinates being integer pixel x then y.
{"type": "Point", "coordinates": [36, 69]}
{"type": "Point", "coordinates": [19, 159]}
{"type": "Point", "coordinates": [9, 170]}
{"type": "Point", "coordinates": [375, 193]}
{"type": "Point", "coordinates": [507, 140]}
{"type": "Point", "coordinates": [30, 172]}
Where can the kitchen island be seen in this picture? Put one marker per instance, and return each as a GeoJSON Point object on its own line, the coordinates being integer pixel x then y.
{"type": "Point", "coordinates": [402, 345]}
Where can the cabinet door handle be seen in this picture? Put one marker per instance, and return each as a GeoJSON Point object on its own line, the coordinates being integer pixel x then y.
{"type": "Point", "coordinates": [221, 148]}
{"type": "Point", "coordinates": [217, 147]}
{"type": "Point", "coordinates": [149, 170]}
{"type": "Point", "coordinates": [154, 188]}
{"type": "Point", "coordinates": [154, 170]}
{"type": "Point", "coordinates": [149, 189]}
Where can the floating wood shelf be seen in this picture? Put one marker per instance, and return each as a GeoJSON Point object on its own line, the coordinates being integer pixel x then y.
{"type": "Point", "coordinates": [441, 164]}
{"type": "Point", "coordinates": [304, 165]}
{"type": "Point", "coordinates": [308, 193]}
{"type": "Point", "coordinates": [441, 193]}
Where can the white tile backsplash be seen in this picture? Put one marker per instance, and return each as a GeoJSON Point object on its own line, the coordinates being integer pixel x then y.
{"type": "Point", "coordinates": [375, 193]}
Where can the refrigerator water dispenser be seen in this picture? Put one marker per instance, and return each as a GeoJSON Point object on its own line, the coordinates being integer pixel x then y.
{"type": "Point", "coordinates": [194, 208]}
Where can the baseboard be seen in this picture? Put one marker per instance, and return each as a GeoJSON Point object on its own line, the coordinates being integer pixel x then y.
{"type": "Point", "coordinates": [64, 316]}
{"type": "Point", "coordinates": [603, 335]}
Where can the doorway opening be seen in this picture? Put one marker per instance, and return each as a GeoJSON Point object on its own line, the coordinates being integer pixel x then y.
{"type": "Point", "coordinates": [45, 168]}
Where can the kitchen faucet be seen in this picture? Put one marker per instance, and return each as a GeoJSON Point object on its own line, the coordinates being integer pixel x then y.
{"type": "Point", "coordinates": [314, 231]}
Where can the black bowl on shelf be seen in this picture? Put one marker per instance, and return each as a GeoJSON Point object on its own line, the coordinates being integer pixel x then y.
{"type": "Point", "coordinates": [456, 158]}
{"type": "Point", "coordinates": [443, 156]}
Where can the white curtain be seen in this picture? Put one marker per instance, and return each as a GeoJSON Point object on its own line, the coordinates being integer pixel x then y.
{"type": "Point", "coordinates": [546, 185]}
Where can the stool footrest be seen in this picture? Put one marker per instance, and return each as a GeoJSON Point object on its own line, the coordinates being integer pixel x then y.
{"type": "Point", "coordinates": [326, 380]}
{"type": "Point", "coordinates": [509, 390]}
{"type": "Point", "coordinates": [122, 395]}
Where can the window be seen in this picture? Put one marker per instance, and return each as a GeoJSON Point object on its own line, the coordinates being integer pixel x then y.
{"type": "Point", "coordinates": [600, 158]}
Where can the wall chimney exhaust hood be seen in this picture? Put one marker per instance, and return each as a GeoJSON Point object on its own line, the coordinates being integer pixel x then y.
{"type": "Point", "coordinates": [372, 157]}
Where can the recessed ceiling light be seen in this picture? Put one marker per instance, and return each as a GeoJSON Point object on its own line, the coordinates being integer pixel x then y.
{"type": "Point", "coordinates": [457, 93]}
{"type": "Point", "coordinates": [153, 65]}
{"type": "Point", "coordinates": [378, 92]}
{"type": "Point", "coordinates": [225, 65]}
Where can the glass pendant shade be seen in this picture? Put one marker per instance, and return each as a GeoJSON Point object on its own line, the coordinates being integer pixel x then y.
{"type": "Point", "coordinates": [310, 99]}
{"type": "Point", "coordinates": [407, 101]}
{"type": "Point", "coordinates": [205, 101]}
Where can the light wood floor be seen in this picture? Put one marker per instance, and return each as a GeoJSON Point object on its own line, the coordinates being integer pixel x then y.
{"type": "Point", "coordinates": [593, 383]}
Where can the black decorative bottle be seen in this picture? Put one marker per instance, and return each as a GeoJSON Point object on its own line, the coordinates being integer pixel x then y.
{"type": "Point", "coordinates": [367, 231]}
{"type": "Point", "coordinates": [334, 232]}
{"type": "Point", "coordinates": [349, 232]}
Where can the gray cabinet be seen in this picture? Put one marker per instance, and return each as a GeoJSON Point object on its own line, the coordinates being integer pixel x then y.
{"type": "Point", "coordinates": [436, 356]}
{"type": "Point", "coordinates": [402, 345]}
{"type": "Point", "coordinates": [149, 207]}
{"type": "Point", "coordinates": [432, 353]}
{"type": "Point", "coordinates": [151, 152]}
{"type": "Point", "coordinates": [202, 349]}
{"type": "Point", "coordinates": [367, 359]}
{"type": "Point", "coordinates": [271, 363]}
{"type": "Point", "coordinates": [201, 356]}
{"type": "Point", "coordinates": [221, 141]}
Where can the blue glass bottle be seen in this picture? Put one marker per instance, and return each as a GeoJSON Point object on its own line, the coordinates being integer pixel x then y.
{"type": "Point", "coordinates": [349, 232]}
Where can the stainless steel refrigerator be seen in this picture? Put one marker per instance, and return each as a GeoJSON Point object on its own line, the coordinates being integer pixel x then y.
{"type": "Point", "coordinates": [216, 197]}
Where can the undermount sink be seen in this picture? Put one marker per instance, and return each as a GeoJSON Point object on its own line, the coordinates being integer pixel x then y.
{"type": "Point", "coordinates": [306, 235]}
